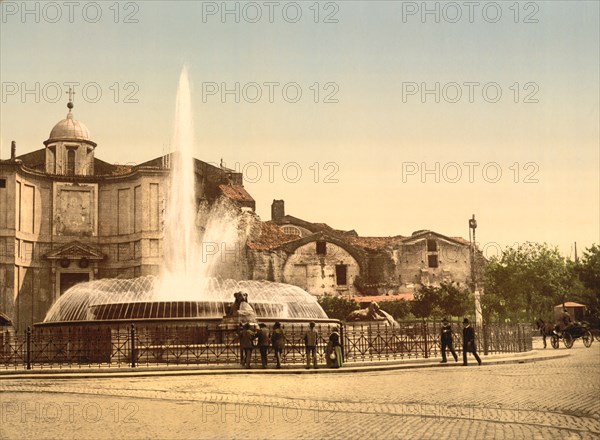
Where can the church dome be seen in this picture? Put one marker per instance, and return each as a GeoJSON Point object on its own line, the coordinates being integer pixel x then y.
{"type": "Point", "coordinates": [71, 129]}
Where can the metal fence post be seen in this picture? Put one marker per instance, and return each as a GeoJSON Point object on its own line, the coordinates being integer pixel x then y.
{"type": "Point", "coordinates": [28, 347]}
{"type": "Point", "coordinates": [342, 340]}
{"type": "Point", "coordinates": [426, 340]}
{"type": "Point", "coordinates": [485, 338]}
{"type": "Point", "coordinates": [132, 344]}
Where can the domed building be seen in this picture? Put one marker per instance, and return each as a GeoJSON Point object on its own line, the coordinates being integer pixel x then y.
{"type": "Point", "coordinates": [67, 217]}
{"type": "Point", "coordinates": [77, 218]}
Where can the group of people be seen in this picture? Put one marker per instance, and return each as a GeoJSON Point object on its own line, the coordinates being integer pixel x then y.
{"type": "Point", "coordinates": [262, 339]}
{"type": "Point", "coordinates": [468, 341]}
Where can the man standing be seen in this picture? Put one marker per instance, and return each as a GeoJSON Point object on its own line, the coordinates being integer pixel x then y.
{"type": "Point", "coordinates": [310, 342]}
{"type": "Point", "coordinates": [263, 343]}
{"type": "Point", "coordinates": [469, 342]}
{"type": "Point", "coordinates": [278, 341]}
{"type": "Point", "coordinates": [446, 339]}
{"type": "Point", "coordinates": [246, 338]}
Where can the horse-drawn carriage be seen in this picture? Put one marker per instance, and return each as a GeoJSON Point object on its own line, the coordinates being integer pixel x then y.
{"type": "Point", "coordinates": [568, 334]}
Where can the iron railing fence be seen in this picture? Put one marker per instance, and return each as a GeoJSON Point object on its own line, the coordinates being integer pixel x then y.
{"type": "Point", "coordinates": [421, 339]}
{"type": "Point", "coordinates": [137, 345]}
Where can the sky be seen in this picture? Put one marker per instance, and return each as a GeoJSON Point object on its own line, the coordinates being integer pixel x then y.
{"type": "Point", "coordinates": [382, 117]}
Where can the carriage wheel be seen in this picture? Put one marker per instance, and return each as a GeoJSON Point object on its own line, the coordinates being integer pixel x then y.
{"type": "Point", "coordinates": [587, 338]}
{"type": "Point", "coordinates": [568, 339]}
{"type": "Point", "coordinates": [554, 341]}
{"type": "Point", "coordinates": [597, 336]}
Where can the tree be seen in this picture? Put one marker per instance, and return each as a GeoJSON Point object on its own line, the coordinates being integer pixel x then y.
{"type": "Point", "coordinates": [398, 309]}
{"type": "Point", "coordinates": [525, 283]}
{"type": "Point", "coordinates": [446, 300]}
{"type": "Point", "coordinates": [425, 304]}
{"type": "Point", "coordinates": [454, 301]}
{"type": "Point", "coordinates": [337, 307]}
{"type": "Point", "coordinates": [588, 273]}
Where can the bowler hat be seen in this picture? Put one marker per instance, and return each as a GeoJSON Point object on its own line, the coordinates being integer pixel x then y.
{"type": "Point", "coordinates": [445, 320]}
{"type": "Point", "coordinates": [465, 321]}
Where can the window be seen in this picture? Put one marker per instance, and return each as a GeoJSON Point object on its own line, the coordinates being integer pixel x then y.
{"type": "Point", "coordinates": [341, 274]}
{"type": "Point", "coordinates": [70, 161]}
{"type": "Point", "coordinates": [432, 260]}
{"type": "Point", "coordinates": [51, 167]}
{"type": "Point", "coordinates": [321, 247]}
{"type": "Point", "coordinates": [291, 230]}
{"type": "Point", "coordinates": [431, 246]}
{"type": "Point", "coordinates": [2, 183]}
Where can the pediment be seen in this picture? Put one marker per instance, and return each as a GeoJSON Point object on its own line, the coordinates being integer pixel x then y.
{"type": "Point", "coordinates": [424, 235]}
{"type": "Point", "coordinates": [75, 250]}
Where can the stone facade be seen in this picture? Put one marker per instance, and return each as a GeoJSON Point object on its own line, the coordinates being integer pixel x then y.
{"type": "Point", "coordinates": [68, 217]}
{"type": "Point", "coordinates": [326, 261]}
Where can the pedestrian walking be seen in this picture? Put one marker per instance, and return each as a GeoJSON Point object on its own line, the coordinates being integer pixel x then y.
{"type": "Point", "coordinates": [278, 343]}
{"type": "Point", "coordinates": [311, 338]}
{"type": "Point", "coordinates": [469, 342]}
{"type": "Point", "coordinates": [333, 353]}
{"type": "Point", "coordinates": [446, 340]}
{"type": "Point", "coordinates": [263, 343]}
{"type": "Point", "coordinates": [246, 344]}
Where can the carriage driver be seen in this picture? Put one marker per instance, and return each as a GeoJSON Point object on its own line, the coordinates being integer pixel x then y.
{"type": "Point", "coordinates": [565, 319]}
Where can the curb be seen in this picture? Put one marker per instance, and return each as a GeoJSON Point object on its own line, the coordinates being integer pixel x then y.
{"type": "Point", "coordinates": [518, 358]}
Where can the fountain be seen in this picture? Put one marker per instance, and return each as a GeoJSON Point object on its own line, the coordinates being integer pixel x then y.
{"type": "Point", "coordinates": [187, 289]}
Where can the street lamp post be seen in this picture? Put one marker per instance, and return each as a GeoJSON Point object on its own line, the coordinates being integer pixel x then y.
{"type": "Point", "coordinates": [478, 312]}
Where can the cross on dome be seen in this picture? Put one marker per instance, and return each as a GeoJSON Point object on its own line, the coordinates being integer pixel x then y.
{"type": "Point", "coordinates": [70, 105]}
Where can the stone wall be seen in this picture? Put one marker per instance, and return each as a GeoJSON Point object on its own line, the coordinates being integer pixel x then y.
{"type": "Point", "coordinates": [317, 272]}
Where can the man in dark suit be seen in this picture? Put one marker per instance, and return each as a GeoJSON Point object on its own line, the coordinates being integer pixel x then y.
{"type": "Point", "coordinates": [469, 342]}
{"type": "Point", "coordinates": [446, 340]}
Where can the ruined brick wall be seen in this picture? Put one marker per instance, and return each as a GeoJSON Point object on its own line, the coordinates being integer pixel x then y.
{"type": "Point", "coordinates": [316, 273]}
{"type": "Point", "coordinates": [415, 261]}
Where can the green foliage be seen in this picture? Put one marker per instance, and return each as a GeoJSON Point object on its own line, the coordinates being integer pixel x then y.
{"type": "Point", "coordinates": [398, 309]}
{"type": "Point", "coordinates": [425, 303]}
{"type": "Point", "coordinates": [337, 307]}
{"type": "Point", "coordinates": [525, 283]}
{"type": "Point", "coordinates": [589, 268]}
{"type": "Point", "coordinates": [588, 274]}
{"type": "Point", "coordinates": [446, 300]}
{"type": "Point", "coordinates": [455, 301]}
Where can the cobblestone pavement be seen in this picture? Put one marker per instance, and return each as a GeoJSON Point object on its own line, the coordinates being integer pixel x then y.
{"type": "Point", "coordinates": [557, 398]}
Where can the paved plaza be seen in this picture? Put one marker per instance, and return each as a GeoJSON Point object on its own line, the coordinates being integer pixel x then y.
{"type": "Point", "coordinates": [555, 398]}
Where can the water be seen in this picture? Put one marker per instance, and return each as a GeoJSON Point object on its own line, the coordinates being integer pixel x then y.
{"type": "Point", "coordinates": [201, 245]}
{"type": "Point", "coordinates": [136, 299]}
{"type": "Point", "coordinates": [182, 255]}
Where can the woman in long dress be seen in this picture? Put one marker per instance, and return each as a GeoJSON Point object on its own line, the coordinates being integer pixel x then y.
{"type": "Point", "coordinates": [334, 350]}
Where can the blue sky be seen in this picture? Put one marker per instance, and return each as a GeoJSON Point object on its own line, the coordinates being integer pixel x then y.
{"type": "Point", "coordinates": [366, 145]}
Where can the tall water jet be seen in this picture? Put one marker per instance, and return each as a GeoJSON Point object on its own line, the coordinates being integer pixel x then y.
{"type": "Point", "coordinates": [197, 243]}
{"type": "Point", "coordinates": [182, 250]}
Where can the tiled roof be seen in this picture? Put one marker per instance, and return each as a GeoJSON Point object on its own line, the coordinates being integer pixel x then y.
{"type": "Point", "coordinates": [236, 192]}
{"type": "Point", "coordinates": [407, 296]}
{"type": "Point", "coordinates": [461, 240]}
{"type": "Point", "coordinates": [35, 160]}
{"type": "Point", "coordinates": [271, 236]}
{"type": "Point", "coordinates": [373, 243]}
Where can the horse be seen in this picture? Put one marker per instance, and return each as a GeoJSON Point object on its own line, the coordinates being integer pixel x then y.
{"type": "Point", "coordinates": [545, 329]}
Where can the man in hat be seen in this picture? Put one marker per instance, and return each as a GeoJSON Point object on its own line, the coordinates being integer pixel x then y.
{"type": "Point", "coordinates": [278, 341]}
{"type": "Point", "coordinates": [469, 342]}
{"type": "Point", "coordinates": [311, 338]}
{"type": "Point", "coordinates": [446, 340]}
{"type": "Point", "coordinates": [263, 343]}
{"type": "Point", "coordinates": [246, 337]}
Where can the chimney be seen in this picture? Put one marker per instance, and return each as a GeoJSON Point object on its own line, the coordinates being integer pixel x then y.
{"type": "Point", "coordinates": [13, 150]}
{"type": "Point", "coordinates": [277, 210]}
